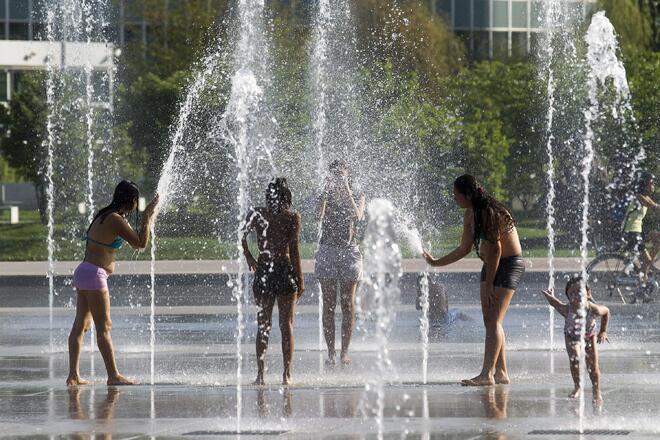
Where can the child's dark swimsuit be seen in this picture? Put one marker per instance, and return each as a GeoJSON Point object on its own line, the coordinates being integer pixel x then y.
{"type": "Point", "coordinates": [274, 278]}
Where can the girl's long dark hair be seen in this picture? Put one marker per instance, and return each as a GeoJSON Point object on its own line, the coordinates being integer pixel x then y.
{"type": "Point", "coordinates": [278, 195]}
{"type": "Point", "coordinates": [125, 196]}
{"type": "Point", "coordinates": [491, 218]}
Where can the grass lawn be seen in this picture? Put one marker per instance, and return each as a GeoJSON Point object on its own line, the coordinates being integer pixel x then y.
{"type": "Point", "coordinates": [27, 242]}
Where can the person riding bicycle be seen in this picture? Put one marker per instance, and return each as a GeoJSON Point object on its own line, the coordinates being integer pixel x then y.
{"type": "Point", "coordinates": [633, 234]}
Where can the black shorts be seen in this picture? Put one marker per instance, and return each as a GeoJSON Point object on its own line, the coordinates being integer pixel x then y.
{"type": "Point", "coordinates": [509, 272]}
{"type": "Point", "coordinates": [634, 242]}
{"type": "Point", "coordinates": [274, 278]}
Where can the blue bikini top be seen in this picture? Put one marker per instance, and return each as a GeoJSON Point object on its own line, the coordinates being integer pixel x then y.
{"type": "Point", "coordinates": [116, 243]}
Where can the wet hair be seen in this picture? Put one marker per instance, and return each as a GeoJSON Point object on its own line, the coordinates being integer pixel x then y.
{"type": "Point", "coordinates": [278, 195]}
{"type": "Point", "coordinates": [642, 180]}
{"type": "Point", "coordinates": [577, 280]}
{"type": "Point", "coordinates": [490, 216]}
{"type": "Point", "coordinates": [338, 166]}
{"type": "Point", "coordinates": [124, 198]}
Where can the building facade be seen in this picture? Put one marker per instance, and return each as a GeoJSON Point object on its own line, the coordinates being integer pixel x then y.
{"type": "Point", "coordinates": [23, 47]}
{"type": "Point", "coordinates": [500, 28]}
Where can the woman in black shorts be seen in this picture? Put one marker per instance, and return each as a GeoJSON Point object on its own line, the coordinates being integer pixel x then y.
{"type": "Point", "coordinates": [490, 229]}
{"type": "Point", "coordinates": [278, 272]}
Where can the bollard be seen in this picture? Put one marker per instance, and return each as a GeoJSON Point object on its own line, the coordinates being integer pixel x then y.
{"type": "Point", "coordinates": [13, 215]}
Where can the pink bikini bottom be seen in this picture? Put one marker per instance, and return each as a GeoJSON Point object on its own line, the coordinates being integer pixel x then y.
{"type": "Point", "coordinates": [90, 277]}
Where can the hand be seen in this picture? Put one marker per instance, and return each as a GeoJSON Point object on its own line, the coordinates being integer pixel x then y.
{"type": "Point", "coordinates": [490, 296]}
{"type": "Point", "coordinates": [549, 292]}
{"type": "Point", "coordinates": [428, 257]}
{"type": "Point", "coordinates": [251, 262]}
{"type": "Point", "coordinates": [602, 337]}
{"type": "Point", "coordinates": [151, 207]}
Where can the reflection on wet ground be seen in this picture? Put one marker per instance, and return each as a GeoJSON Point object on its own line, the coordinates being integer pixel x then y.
{"type": "Point", "coordinates": [196, 397]}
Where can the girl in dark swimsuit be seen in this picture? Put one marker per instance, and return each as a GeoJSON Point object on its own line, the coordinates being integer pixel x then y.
{"type": "Point", "coordinates": [490, 229]}
{"type": "Point", "coordinates": [278, 270]}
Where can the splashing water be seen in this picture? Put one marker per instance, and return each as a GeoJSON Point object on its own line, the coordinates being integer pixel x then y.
{"type": "Point", "coordinates": [50, 185]}
{"type": "Point", "coordinates": [554, 22]}
{"type": "Point", "coordinates": [381, 284]}
{"type": "Point", "coordinates": [319, 81]}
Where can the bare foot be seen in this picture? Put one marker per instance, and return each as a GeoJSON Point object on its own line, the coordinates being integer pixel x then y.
{"type": "Point", "coordinates": [502, 379]}
{"type": "Point", "coordinates": [478, 381]}
{"type": "Point", "coordinates": [286, 379]}
{"type": "Point", "coordinates": [575, 393]}
{"type": "Point", "coordinates": [345, 360]}
{"type": "Point", "coordinates": [598, 397]}
{"type": "Point", "coordinates": [259, 381]}
{"type": "Point", "coordinates": [330, 362]}
{"type": "Point", "coordinates": [73, 381]}
{"type": "Point", "coordinates": [121, 380]}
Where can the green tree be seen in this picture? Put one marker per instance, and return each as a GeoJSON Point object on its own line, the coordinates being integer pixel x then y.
{"type": "Point", "coordinates": [25, 123]}
{"type": "Point", "coordinates": [177, 34]}
{"type": "Point", "coordinates": [631, 23]}
{"type": "Point", "coordinates": [146, 110]}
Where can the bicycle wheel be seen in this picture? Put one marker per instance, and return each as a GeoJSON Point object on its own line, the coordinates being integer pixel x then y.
{"type": "Point", "coordinates": [608, 280]}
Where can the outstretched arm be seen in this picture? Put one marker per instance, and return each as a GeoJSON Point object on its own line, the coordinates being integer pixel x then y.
{"type": "Point", "coordinates": [137, 240]}
{"type": "Point", "coordinates": [604, 314]}
{"type": "Point", "coordinates": [247, 227]}
{"type": "Point", "coordinates": [554, 302]}
{"type": "Point", "coordinates": [462, 250]}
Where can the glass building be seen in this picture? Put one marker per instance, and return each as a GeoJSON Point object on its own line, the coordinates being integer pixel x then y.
{"type": "Point", "coordinates": [499, 28]}
{"type": "Point", "coordinates": [23, 48]}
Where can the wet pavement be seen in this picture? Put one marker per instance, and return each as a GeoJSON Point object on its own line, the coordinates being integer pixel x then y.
{"type": "Point", "coordinates": [195, 394]}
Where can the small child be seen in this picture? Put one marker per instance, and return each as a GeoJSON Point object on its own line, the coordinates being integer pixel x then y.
{"type": "Point", "coordinates": [572, 327]}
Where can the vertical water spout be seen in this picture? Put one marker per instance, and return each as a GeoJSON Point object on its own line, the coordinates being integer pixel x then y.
{"type": "Point", "coordinates": [382, 272]}
{"type": "Point", "coordinates": [51, 130]}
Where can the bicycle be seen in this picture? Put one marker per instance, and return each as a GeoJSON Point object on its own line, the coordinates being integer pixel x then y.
{"type": "Point", "coordinates": [617, 276]}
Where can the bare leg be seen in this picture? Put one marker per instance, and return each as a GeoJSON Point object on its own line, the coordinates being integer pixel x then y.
{"type": "Point", "coordinates": [286, 305]}
{"type": "Point", "coordinates": [593, 368]}
{"type": "Point", "coordinates": [573, 350]}
{"type": "Point", "coordinates": [81, 325]}
{"type": "Point", "coordinates": [348, 318]}
{"type": "Point", "coordinates": [501, 375]}
{"type": "Point", "coordinates": [264, 324]}
{"type": "Point", "coordinates": [329, 292]}
{"type": "Point", "coordinates": [99, 306]}
{"type": "Point", "coordinates": [494, 343]}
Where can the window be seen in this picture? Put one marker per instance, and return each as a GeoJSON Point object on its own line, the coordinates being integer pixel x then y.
{"type": "Point", "coordinates": [535, 40]}
{"type": "Point", "coordinates": [519, 45]}
{"type": "Point", "coordinates": [500, 14]}
{"type": "Point", "coordinates": [19, 31]}
{"type": "Point", "coordinates": [16, 79]}
{"type": "Point", "coordinates": [462, 14]}
{"type": "Point", "coordinates": [2, 32]}
{"type": "Point", "coordinates": [500, 45]}
{"type": "Point", "coordinates": [132, 11]}
{"type": "Point", "coordinates": [519, 14]}
{"type": "Point", "coordinates": [39, 31]}
{"type": "Point", "coordinates": [39, 10]}
{"type": "Point", "coordinates": [443, 6]}
{"type": "Point", "coordinates": [19, 9]}
{"type": "Point", "coordinates": [537, 14]}
{"type": "Point", "coordinates": [2, 13]}
{"type": "Point", "coordinates": [481, 45]}
{"type": "Point", "coordinates": [133, 33]}
{"type": "Point", "coordinates": [464, 36]}
{"type": "Point", "coordinates": [3, 86]}
{"type": "Point", "coordinates": [481, 13]}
